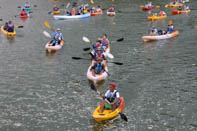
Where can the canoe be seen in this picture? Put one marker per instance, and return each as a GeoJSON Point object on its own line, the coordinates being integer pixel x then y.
{"type": "Point", "coordinates": [62, 17]}
{"type": "Point", "coordinates": [56, 12]}
{"type": "Point", "coordinates": [174, 5]}
{"type": "Point", "coordinates": [9, 34]}
{"type": "Point", "coordinates": [54, 48]}
{"type": "Point", "coordinates": [180, 11]}
{"type": "Point", "coordinates": [27, 9]}
{"type": "Point", "coordinates": [152, 18]}
{"type": "Point", "coordinates": [97, 78]}
{"type": "Point", "coordinates": [111, 13]}
{"type": "Point", "coordinates": [148, 8]}
{"type": "Point", "coordinates": [97, 13]}
{"type": "Point", "coordinates": [160, 37]}
{"type": "Point", "coordinates": [108, 114]}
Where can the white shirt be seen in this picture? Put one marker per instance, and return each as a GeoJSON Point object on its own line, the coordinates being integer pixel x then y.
{"type": "Point", "coordinates": [110, 94]}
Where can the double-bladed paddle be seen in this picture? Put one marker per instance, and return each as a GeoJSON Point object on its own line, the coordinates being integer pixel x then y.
{"type": "Point", "coordinates": [123, 116]}
{"type": "Point", "coordinates": [79, 58]}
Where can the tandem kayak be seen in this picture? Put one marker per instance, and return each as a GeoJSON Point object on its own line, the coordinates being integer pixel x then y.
{"type": "Point", "coordinates": [180, 11]}
{"type": "Point", "coordinates": [148, 8]}
{"type": "Point", "coordinates": [62, 17]}
{"type": "Point", "coordinates": [153, 18]}
{"type": "Point", "coordinates": [108, 114]}
{"type": "Point", "coordinates": [97, 13]}
{"type": "Point", "coordinates": [9, 34]}
{"type": "Point", "coordinates": [111, 13]}
{"type": "Point", "coordinates": [56, 12]}
{"type": "Point", "coordinates": [98, 77]}
{"type": "Point", "coordinates": [50, 48]}
{"type": "Point", "coordinates": [160, 37]}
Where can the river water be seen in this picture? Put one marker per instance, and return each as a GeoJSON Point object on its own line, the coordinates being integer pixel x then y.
{"type": "Point", "coordinates": [50, 92]}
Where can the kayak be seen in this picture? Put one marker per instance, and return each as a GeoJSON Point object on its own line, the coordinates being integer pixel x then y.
{"type": "Point", "coordinates": [160, 37]}
{"type": "Point", "coordinates": [97, 13]}
{"type": "Point", "coordinates": [9, 34]}
{"type": "Point", "coordinates": [152, 18]}
{"type": "Point", "coordinates": [54, 48]}
{"type": "Point", "coordinates": [148, 8]}
{"type": "Point", "coordinates": [23, 16]}
{"type": "Point", "coordinates": [97, 78]}
{"type": "Point", "coordinates": [111, 13]}
{"type": "Point", "coordinates": [56, 12]}
{"type": "Point", "coordinates": [27, 9]}
{"type": "Point", "coordinates": [180, 11]}
{"type": "Point", "coordinates": [174, 5]}
{"type": "Point", "coordinates": [108, 114]}
{"type": "Point", "coordinates": [62, 17]}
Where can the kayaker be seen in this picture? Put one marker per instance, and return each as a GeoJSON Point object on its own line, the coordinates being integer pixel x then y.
{"type": "Point", "coordinates": [154, 31]}
{"type": "Point", "coordinates": [174, 2]}
{"type": "Point", "coordinates": [10, 27]}
{"type": "Point", "coordinates": [105, 42]}
{"type": "Point", "coordinates": [27, 5]}
{"type": "Point", "coordinates": [112, 9]}
{"type": "Point", "coordinates": [162, 13]}
{"type": "Point", "coordinates": [98, 66]}
{"type": "Point", "coordinates": [186, 7]}
{"type": "Point", "coordinates": [99, 53]}
{"type": "Point", "coordinates": [98, 9]}
{"type": "Point", "coordinates": [170, 29]}
{"type": "Point", "coordinates": [180, 1]}
{"type": "Point", "coordinates": [58, 32]}
{"type": "Point", "coordinates": [23, 12]}
{"type": "Point", "coordinates": [112, 96]}
{"type": "Point", "coordinates": [55, 41]}
{"type": "Point", "coordinates": [55, 8]}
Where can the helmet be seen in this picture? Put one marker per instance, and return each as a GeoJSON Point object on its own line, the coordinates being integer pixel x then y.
{"type": "Point", "coordinates": [58, 29]}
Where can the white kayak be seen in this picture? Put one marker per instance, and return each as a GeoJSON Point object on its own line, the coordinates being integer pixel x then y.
{"type": "Point", "coordinates": [160, 37]}
{"type": "Point", "coordinates": [97, 78]}
{"type": "Point", "coordinates": [50, 48]}
{"type": "Point", "coordinates": [62, 17]}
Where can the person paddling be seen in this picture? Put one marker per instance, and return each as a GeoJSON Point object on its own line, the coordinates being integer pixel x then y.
{"type": "Point", "coordinates": [112, 96]}
{"type": "Point", "coordinates": [10, 27]}
{"type": "Point", "coordinates": [98, 66]}
{"type": "Point", "coordinates": [55, 8]}
{"type": "Point", "coordinates": [55, 41]}
{"type": "Point", "coordinates": [59, 34]}
{"type": "Point", "coordinates": [23, 13]}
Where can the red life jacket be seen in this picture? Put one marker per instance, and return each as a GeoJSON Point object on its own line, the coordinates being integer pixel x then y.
{"type": "Point", "coordinates": [23, 13]}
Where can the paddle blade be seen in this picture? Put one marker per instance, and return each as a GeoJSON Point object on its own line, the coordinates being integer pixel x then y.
{"type": "Point", "coordinates": [121, 39]}
{"type": "Point", "coordinates": [87, 49]}
{"type": "Point", "coordinates": [76, 58]}
{"type": "Point", "coordinates": [166, 6]}
{"type": "Point", "coordinates": [157, 6]}
{"type": "Point", "coordinates": [67, 5]}
{"type": "Point", "coordinates": [86, 39]}
{"type": "Point", "coordinates": [92, 1]}
{"type": "Point", "coordinates": [170, 22]}
{"type": "Point", "coordinates": [110, 55]}
{"type": "Point", "coordinates": [123, 116]}
{"type": "Point", "coordinates": [47, 25]}
{"type": "Point", "coordinates": [141, 6]}
{"type": "Point", "coordinates": [19, 26]}
{"type": "Point", "coordinates": [117, 63]}
{"type": "Point", "coordinates": [1, 19]}
{"type": "Point", "coordinates": [196, 26]}
{"type": "Point", "coordinates": [46, 34]}
{"type": "Point", "coordinates": [93, 87]}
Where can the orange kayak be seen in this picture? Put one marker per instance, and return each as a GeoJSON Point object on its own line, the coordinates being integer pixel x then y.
{"type": "Point", "coordinates": [180, 11]}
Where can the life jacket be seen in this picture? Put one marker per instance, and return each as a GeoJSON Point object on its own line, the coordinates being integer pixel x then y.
{"type": "Point", "coordinates": [55, 9]}
{"type": "Point", "coordinates": [73, 12]}
{"type": "Point", "coordinates": [111, 97]}
{"type": "Point", "coordinates": [98, 68]}
{"type": "Point", "coordinates": [104, 41]}
{"type": "Point", "coordinates": [96, 55]}
{"type": "Point", "coordinates": [10, 28]}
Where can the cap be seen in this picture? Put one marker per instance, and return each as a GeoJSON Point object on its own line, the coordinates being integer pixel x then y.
{"type": "Point", "coordinates": [58, 28]}
{"type": "Point", "coordinates": [112, 84]}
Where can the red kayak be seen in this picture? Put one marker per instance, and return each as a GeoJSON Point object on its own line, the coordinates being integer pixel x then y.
{"type": "Point", "coordinates": [174, 12]}
{"type": "Point", "coordinates": [23, 16]}
{"type": "Point", "coordinates": [148, 8]}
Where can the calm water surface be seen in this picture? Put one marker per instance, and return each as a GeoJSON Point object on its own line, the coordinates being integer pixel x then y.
{"type": "Point", "coordinates": [50, 92]}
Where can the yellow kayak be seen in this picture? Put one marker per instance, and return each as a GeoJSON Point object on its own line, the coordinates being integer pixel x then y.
{"type": "Point", "coordinates": [9, 34]}
{"type": "Point", "coordinates": [108, 114]}
{"type": "Point", "coordinates": [174, 5]}
{"type": "Point", "coordinates": [152, 18]}
{"type": "Point", "coordinates": [56, 12]}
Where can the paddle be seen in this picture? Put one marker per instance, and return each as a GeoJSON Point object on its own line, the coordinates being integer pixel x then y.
{"type": "Point", "coordinates": [79, 58]}
{"type": "Point", "coordinates": [46, 34]}
{"type": "Point", "coordinates": [123, 116]}
{"type": "Point", "coordinates": [1, 19]}
{"type": "Point", "coordinates": [142, 6]}
{"type": "Point", "coordinates": [48, 26]}
{"type": "Point", "coordinates": [92, 1]}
